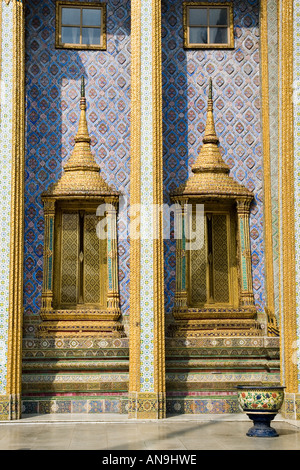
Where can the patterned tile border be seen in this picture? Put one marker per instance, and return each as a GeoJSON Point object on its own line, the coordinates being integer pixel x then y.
{"type": "Point", "coordinates": [217, 404]}
{"type": "Point", "coordinates": [4, 408]}
{"type": "Point", "coordinates": [296, 102]}
{"type": "Point", "coordinates": [5, 176]}
{"type": "Point", "coordinates": [146, 285]}
{"type": "Point", "coordinates": [291, 406]}
{"type": "Point", "coordinates": [273, 116]}
{"type": "Point", "coordinates": [70, 405]}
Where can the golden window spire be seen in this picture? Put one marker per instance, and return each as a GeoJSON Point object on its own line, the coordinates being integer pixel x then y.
{"type": "Point", "coordinates": [81, 173]}
{"type": "Point", "coordinates": [210, 174]}
{"type": "Point", "coordinates": [82, 157]}
{"type": "Point", "coordinates": [210, 158]}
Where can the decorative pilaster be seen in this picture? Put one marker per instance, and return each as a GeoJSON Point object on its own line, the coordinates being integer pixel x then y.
{"type": "Point", "coordinates": [180, 234]}
{"type": "Point", "coordinates": [12, 146]}
{"type": "Point", "coordinates": [147, 330]}
{"type": "Point", "coordinates": [288, 147]}
{"type": "Point", "coordinates": [113, 300]}
{"type": "Point", "coordinates": [246, 292]}
{"type": "Point", "coordinates": [47, 295]}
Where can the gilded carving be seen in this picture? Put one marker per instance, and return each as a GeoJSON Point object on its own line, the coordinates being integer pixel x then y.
{"type": "Point", "coordinates": [286, 196]}
{"type": "Point", "coordinates": [224, 312]}
{"type": "Point", "coordinates": [80, 288]}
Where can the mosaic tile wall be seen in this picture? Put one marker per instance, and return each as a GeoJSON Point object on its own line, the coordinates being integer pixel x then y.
{"type": "Point", "coordinates": [52, 103]}
{"type": "Point", "coordinates": [53, 92]}
{"type": "Point", "coordinates": [236, 82]}
{"type": "Point", "coordinates": [6, 31]}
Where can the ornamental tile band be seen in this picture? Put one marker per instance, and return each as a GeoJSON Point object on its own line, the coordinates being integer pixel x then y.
{"type": "Point", "coordinates": [6, 125]}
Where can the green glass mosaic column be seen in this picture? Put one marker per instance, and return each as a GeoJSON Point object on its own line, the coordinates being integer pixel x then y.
{"type": "Point", "coordinates": [246, 294]}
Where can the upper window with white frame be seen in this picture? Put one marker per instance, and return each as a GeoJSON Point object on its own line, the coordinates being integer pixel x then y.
{"type": "Point", "coordinates": [80, 25]}
{"type": "Point", "coordinates": [208, 25]}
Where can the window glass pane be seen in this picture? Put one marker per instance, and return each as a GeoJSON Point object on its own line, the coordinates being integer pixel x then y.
{"type": "Point", "coordinates": [91, 17]}
{"type": "Point", "coordinates": [218, 36]}
{"type": "Point", "coordinates": [218, 16]}
{"type": "Point", "coordinates": [91, 36]}
{"type": "Point", "coordinates": [70, 35]}
{"type": "Point", "coordinates": [70, 16]}
{"type": "Point", "coordinates": [198, 16]}
{"type": "Point", "coordinates": [198, 36]}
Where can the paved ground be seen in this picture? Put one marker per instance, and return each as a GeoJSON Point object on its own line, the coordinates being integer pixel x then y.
{"type": "Point", "coordinates": [117, 433]}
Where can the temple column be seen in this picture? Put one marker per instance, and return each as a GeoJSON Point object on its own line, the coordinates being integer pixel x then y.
{"type": "Point", "coordinates": [180, 236]}
{"type": "Point", "coordinates": [246, 292]}
{"type": "Point", "coordinates": [12, 133]}
{"type": "Point", "coordinates": [47, 295]}
{"type": "Point", "coordinates": [147, 351]}
{"type": "Point", "coordinates": [112, 257]}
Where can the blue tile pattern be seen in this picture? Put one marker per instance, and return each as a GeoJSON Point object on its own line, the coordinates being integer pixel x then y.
{"type": "Point", "coordinates": [236, 81]}
{"type": "Point", "coordinates": [52, 112]}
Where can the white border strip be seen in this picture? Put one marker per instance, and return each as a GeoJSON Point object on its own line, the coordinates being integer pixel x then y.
{"type": "Point", "coordinates": [146, 285]}
{"type": "Point", "coordinates": [5, 178]}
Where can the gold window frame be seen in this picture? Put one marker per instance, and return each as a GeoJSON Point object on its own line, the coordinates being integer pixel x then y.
{"type": "Point", "coordinates": [81, 6]}
{"type": "Point", "coordinates": [58, 269]}
{"type": "Point", "coordinates": [186, 28]}
{"type": "Point", "coordinates": [231, 228]}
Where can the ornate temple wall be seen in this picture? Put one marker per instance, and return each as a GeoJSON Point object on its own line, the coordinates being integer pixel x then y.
{"type": "Point", "coordinates": [237, 102]}
{"type": "Point", "coordinates": [52, 90]}
{"type": "Point", "coordinates": [61, 372]}
{"type": "Point", "coordinates": [52, 113]}
{"type": "Point", "coordinates": [73, 369]}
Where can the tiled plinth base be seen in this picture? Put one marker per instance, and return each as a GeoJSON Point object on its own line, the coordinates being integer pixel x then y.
{"type": "Point", "coordinates": [91, 376]}
{"type": "Point", "coordinates": [78, 404]}
{"type": "Point", "coordinates": [77, 375]}
{"type": "Point", "coordinates": [188, 404]}
{"type": "Point", "coordinates": [203, 373]}
{"type": "Point", "coordinates": [203, 403]}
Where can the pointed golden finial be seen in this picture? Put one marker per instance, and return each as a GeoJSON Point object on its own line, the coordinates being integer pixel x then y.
{"type": "Point", "coordinates": [210, 158]}
{"type": "Point", "coordinates": [81, 175]}
{"type": "Point", "coordinates": [82, 87]}
{"type": "Point", "coordinates": [83, 133]}
{"type": "Point", "coordinates": [210, 176]}
{"type": "Point", "coordinates": [210, 135]}
{"type": "Point", "coordinates": [82, 156]}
